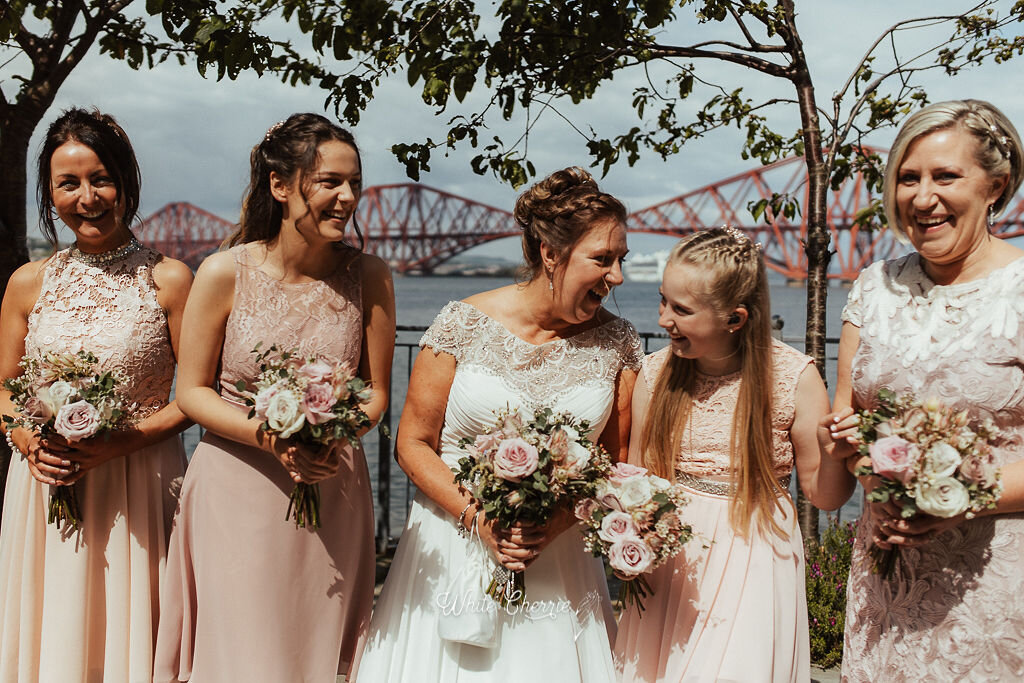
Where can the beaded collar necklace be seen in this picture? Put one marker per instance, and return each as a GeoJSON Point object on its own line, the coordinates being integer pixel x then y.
{"type": "Point", "coordinates": [107, 257]}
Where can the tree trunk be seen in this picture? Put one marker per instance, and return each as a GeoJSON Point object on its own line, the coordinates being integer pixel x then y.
{"type": "Point", "coordinates": [817, 244]}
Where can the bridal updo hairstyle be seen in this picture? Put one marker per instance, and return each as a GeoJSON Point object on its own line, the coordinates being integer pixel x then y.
{"type": "Point", "coordinates": [998, 150]}
{"type": "Point", "coordinates": [291, 148]}
{"type": "Point", "coordinates": [558, 211]}
{"type": "Point", "coordinates": [102, 134]}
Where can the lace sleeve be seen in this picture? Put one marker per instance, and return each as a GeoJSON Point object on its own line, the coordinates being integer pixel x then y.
{"type": "Point", "coordinates": [632, 347]}
{"type": "Point", "coordinates": [853, 311]}
{"type": "Point", "coordinates": [451, 331]}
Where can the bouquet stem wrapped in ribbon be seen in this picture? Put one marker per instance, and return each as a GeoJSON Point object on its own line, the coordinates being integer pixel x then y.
{"type": "Point", "coordinates": [634, 521]}
{"type": "Point", "coordinates": [312, 402]}
{"type": "Point", "coordinates": [67, 394]}
{"type": "Point", "coordinates": [522, 471]}
{"type": "Point", "coordinates": [929, 459]}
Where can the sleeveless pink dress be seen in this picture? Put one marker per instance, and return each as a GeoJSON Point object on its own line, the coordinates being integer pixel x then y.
{"type": "Point", "coordinates": [727, 608]}
{"type": "Point", "coordinates": [82, 606]}
{"type": "Point", "coordinates": [248, 596]}
{"type": "Point", "coordinates": [953, 609]}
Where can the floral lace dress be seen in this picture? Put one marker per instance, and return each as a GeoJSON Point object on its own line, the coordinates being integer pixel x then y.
{"type": "Point", "coordinates": [564, 631]}
{"type": "Point", "coordinates": [248, 596]}
{"type": "Point", "coordinates": [82, 606]}
{"type": "Point", "coordinates": [728, 608]}
{"type": "Point", "coordinates": [954, 608]}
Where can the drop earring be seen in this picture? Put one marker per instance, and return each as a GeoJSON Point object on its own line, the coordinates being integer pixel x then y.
{"type": "Point", "coordinates": [990, 217]}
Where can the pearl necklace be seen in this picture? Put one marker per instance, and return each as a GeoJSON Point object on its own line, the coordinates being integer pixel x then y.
{"type": "Point", "coordinates": [107, 257]}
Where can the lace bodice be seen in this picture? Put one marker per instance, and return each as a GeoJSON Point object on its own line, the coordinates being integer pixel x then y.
{"type": "Point", "coordinates": [704, 448]}
{"type": "Point", "coordinates": [495, 369]}
{"type": "Point", "coordinates": [322, 317]}
{"type": "Point", "coordinates": [112, 311]}
{"type": "Point", "coordinates": [954, 608]}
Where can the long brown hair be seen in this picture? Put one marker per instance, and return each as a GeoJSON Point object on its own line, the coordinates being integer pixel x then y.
{"type": "Point", "coordinates": [736, 278]}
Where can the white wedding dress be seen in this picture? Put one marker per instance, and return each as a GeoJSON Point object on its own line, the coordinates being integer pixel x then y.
{"type": "Point", "coordinates": [565, 630]}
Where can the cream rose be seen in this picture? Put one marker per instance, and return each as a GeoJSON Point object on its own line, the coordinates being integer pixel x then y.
{"type": "Point", "coordinates": [630, 556]}
{"type": "Point", "coordinates": [56, 395]}
{"type": "Point", "coordinates": [945, 497]}
{"type": "Point", "coordinates": [635, 491]}
{"type": "Point", "coordinates": [284, 414]}
{"type": "Point", "coordinates": [76, 421]}
{"type": "Point", "coordinates": [941, 460]}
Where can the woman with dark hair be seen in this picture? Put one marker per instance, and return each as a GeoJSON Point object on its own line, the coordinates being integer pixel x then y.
{"type": "Point", "coordinates": [249, 596]}
{"type": "Point", "coordinates": [548, 342]}
{"type": "Point", "coordinates": [944, 322]}
{"type": "Point", "coordinates": [81, 604]}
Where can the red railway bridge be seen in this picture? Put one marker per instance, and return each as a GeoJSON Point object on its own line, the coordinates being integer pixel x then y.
{"type": "Point", "coordinates": [416, 228]}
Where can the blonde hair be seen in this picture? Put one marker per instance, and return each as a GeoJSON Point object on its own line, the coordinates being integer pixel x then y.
{"type": "Point", "coordinates": [736, 278]}
{"type": "Point", "coordinates": [998, 150]}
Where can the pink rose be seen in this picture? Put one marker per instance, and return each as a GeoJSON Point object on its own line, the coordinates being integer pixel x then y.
{"type": "Point", "coordinates": [36, 410]}
{"type": "Point", "coordinates": [585, 509]}
{"type": "Point", "coordinates": [607, 499]}
{"type": "Point", "coordinates": [317, 371]}
{"type": "Point", "coordinates": [78, 420]}
{"type": "Point", "coordinates": [980, 470]}
{"type": "Point", "coordinates": [630, 556]}
{"type": "Point", "coordinates": [318, 403]}
{"type": "Point", "coordinates": [623, 471]}
{"type": "Point", "coordinates": [617, 526]}
{"type": "Point", "coordinates": [515, 459]}
{"type": "Point", "coordinates": [487, 443]}
{"type": "Point", "coordinates": [894, 458]}
{"type": "Point", "coordinates": [262, 400]}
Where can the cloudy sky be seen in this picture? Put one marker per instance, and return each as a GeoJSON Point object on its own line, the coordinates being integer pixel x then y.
{"type": "Point", "coordinates": [193, 135]}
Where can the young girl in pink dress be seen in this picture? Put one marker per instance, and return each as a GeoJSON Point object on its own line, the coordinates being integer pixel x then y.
{"type": "Point", "coordinates": [727, 412]}
{"type": "Point", "coordinates": [249, 596]}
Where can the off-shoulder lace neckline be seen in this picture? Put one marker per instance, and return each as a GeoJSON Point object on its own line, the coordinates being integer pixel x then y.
{"type": "Point", "coordinates": [955, 287]}
{"type": "Point", "coordinates": [500, 325]}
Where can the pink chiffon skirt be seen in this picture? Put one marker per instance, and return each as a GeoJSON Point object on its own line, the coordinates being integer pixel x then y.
{"type": "Point", "coordinates": [725, 609]}
{"type": "Point", "coordinates": [248, 596]}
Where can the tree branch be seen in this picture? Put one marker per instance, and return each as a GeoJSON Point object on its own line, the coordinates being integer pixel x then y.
{"type": "Point", "coordinates": [762, 65]}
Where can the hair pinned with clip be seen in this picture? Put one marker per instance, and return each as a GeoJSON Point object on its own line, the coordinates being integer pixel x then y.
{"type": "Point", "coordinates": [741, 237]}
{"type": "Point", "coordinates": [273, 129]}
{"type": "Point", "coordinates": [1000, 140]}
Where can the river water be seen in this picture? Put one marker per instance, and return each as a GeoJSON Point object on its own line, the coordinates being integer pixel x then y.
{"type": "Point", "coordinates": [418, 299]}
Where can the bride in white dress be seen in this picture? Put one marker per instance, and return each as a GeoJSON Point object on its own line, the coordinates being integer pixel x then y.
{"type": "Point", "coordinates": [546, 343]}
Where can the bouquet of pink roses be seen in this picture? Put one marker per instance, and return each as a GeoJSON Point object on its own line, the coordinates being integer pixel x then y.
{"type": "Point", "coordinates": [522, 471]}
{"type": "Point", "coordinates": [634, 521]}
{"type": "Point", "coordinates": [311, 401]}
{"type": "Point", "coordinates": [929, 458]}
{"type": "Point", "coordinates": [66, 393]}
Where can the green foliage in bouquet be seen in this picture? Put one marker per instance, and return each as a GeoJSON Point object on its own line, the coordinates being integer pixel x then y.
{"type": "Point", "coordinates": [828, 570]}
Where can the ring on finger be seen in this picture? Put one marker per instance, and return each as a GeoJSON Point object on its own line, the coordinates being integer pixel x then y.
{"type": "Point", "coordinates": [77, 466]}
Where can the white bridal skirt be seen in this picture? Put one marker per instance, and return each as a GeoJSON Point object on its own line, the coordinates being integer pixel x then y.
{"type": "Point", "coordinates": [563, 632]}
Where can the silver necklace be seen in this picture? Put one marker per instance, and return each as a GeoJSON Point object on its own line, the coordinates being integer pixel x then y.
{"type": "Point", "coordinates": [107, 257]}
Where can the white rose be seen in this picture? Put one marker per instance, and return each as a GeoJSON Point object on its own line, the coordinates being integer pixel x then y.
{"type": "Point", "coordinates": [56, 395]}
{"type": "Point", "coordinates": [284, 414]}
{"type": "Point", "coordinates": [634, 491]}
{"type": "Point", "coordinates": [659, 484]}
{"type": "Point", "coordinates": [941, 460]}
{"type": "Point", "coordinates": [945, 497]}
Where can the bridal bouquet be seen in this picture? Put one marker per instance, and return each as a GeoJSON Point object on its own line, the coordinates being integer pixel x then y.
{"type": "Point", "coordinates": [67, 394]}
{"type": "Point", "coordinates": [521, 471]}
{"type": "Point", "coordinates": [929, 458]}
{"type": "Point", "coordinates": [312, 402]}
{"type": "Point", "coordinates": [634, 521]}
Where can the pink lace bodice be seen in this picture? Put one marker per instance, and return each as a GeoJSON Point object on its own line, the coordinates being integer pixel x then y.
{"type": "Point", "coordinates": [322, 317]}
{"type": "Point", "coordinates": [112, 311]}
{"type": "Point", "coordinates": [704, 450]}
{"type": "Point", "coordinates": [954, 608]}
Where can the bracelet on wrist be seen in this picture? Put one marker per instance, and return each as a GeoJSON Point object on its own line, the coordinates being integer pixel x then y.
{"type": "Point", "coordinates": [460, 524]}
{"type": "Point", "coordinates": [10, 442]}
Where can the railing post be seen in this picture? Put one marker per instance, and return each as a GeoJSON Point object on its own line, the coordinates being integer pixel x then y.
{"type": "Point", "coordinates": [384, 478]}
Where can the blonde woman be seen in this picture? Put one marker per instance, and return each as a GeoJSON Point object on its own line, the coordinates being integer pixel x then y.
{"type": "Point", "coordinates": [727, 412]}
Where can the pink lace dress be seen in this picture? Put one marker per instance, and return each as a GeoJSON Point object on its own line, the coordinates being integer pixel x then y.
{"type": "Point", "coordinates": [727, 608]}
{"type": "Point", "coordinates": [82, 606]}
{"type": "Point", "coordinates": [247, 595]}
{"type": "Point", "coordinates": [954, 608]}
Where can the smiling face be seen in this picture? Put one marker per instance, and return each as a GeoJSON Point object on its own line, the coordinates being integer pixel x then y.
{"type": "Point", "coordinates": [594, 266]}
{"type": "Point", "coordinates": [85, 198]}
{"type": "Point", "coordinates": [696, 329]}
{"type": "Point", "coordinates": [942, 196]}
{"type": "Point", "coordinates": [322, 203]}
